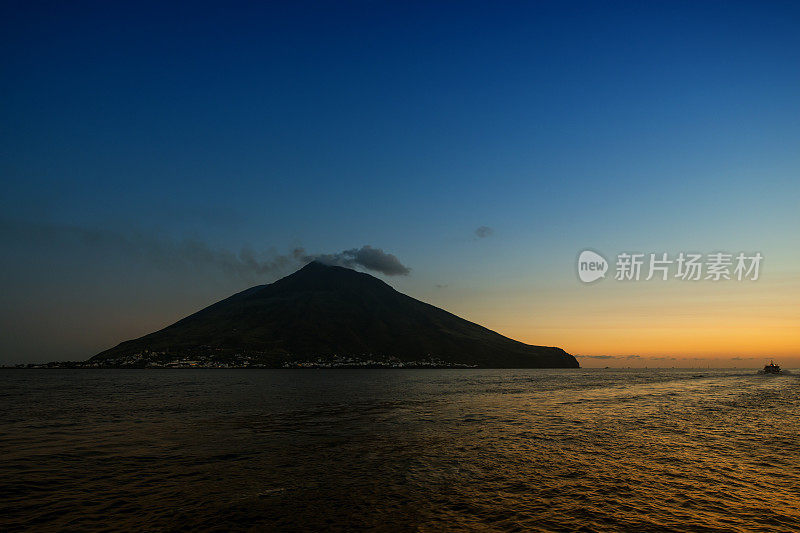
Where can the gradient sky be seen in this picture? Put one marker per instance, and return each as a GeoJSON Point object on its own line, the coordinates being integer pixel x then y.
{"type": "Point", "coordinates": [144, 146]}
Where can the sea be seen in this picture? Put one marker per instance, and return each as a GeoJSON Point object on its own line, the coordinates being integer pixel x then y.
{"type": "Point", "coordinates": [399, 450]}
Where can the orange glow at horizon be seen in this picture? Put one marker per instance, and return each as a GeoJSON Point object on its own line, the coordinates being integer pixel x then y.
{"type": "Point", "coordinates": [665, 324]}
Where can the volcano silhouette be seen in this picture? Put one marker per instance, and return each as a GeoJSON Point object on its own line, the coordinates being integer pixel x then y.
{"type": "Point", "coordinates": [324, 311]}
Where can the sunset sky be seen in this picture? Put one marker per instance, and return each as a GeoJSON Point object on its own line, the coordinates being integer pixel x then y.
{"type": "Point", "coordinates": [156, 159]}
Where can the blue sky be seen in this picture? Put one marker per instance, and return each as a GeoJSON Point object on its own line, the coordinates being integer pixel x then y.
{"type": "Point", "coordinates": [405, 126]}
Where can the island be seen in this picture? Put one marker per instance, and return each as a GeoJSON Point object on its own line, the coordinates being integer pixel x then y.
{"type": "Point", "coordinates": [325, 316]}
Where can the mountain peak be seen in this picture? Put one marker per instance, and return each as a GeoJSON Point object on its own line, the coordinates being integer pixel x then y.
{"type": "Point", "coordinates": [317, 265]}
{"type": "Point", "coordinates": [319, 268]}
{"type": "Point", "coordinates": [317, 275]}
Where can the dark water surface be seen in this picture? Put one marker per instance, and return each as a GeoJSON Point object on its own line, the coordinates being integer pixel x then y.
{"type": "Point", "coordinates": [399, 450]}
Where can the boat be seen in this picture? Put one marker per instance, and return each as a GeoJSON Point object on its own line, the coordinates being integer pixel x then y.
{"type": "Point", "coordinates": [772, 368]}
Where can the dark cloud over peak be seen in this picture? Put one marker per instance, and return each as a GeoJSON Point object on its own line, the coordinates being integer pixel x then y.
{"type": "Point", "coordinates": [365, 257]}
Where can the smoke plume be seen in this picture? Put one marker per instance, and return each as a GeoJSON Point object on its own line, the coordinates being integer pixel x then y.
{"type": "Point", "coordinates": [169, 254]}
{"type": "Point", "coordinates": [365, 257]}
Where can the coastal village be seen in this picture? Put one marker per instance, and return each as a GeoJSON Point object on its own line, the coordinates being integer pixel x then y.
{"type": "Point", "coordinates": [165, 360]}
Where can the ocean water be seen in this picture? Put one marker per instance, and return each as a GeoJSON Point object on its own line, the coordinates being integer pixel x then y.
{"type": "Point", "coordinates": [399, 450]}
